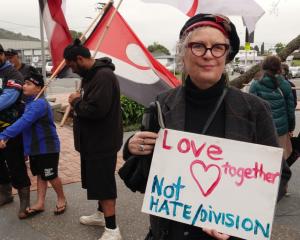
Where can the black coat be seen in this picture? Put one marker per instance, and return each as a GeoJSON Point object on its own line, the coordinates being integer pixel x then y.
{"type": "Point", "coordinates": [97, 114]}
{"type": "Point", "coordinates": [13, 79]}
{"type": "Point", "coordinates": [247, 119]}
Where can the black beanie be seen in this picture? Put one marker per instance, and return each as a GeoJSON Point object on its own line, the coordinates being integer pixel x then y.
{"type": "Point", "coordinates": [76, 49]}
{"type": "Point", "coordinates": [223, 21]}
{"type": "Point", "coordinates": [1, 49]}
{"type": "Point", "coordinates": [35, 78]}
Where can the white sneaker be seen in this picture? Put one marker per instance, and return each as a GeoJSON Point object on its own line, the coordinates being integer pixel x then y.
{"type": "Point", "coordinates": [94, 219]}
{"type": "Point", "coordinates": [111, 234]}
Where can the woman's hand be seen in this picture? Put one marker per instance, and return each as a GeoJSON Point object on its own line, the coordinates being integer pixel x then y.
{"type": "Point", "coordinates": [2, 144]}
{"type": "Point", "coordinates": [142, 143]}
{"type": "Point", "coordinates": [215, 234]}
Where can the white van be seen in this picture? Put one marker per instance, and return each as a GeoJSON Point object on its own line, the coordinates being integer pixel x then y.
{"type": "Point", "coordinates": [49, 67]}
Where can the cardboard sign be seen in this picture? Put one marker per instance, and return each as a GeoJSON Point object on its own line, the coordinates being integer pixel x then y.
{"type": "Point", "coordinates": [215, 183]}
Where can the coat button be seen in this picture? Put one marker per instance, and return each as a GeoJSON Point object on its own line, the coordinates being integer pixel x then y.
{"type": "Point", "coordinates": [186, 233]}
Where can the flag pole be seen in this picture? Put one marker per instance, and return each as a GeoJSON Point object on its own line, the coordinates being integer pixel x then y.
{"type": "Point", "coordinates": [68, 109]}
{"type": "Point", "coordinates": [42, 45]}
{"type": "Point", "coordinates": [62, 63]}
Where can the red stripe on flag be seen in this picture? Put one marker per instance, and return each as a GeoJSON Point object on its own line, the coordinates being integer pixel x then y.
{"type": "Point", "coordinates": [193, 9]}
{"type": "Point", "coordinates": [117, 42]}
{"type": "Point", "coordinates": [60, 37]}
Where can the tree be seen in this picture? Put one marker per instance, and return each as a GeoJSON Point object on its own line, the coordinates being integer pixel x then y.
{"type": "Point", "coordinates": [262, 49]}
{"type": "Point", "coordinates": [256, 48]}
{"type": "Point", "coordinates": [283, 54]}
{"type": "Point", "coordinates": [158, 48]}
{"type": "Point", "coordinates": [76, 34]}
{"type": "Point", "coordinates": [279, 47]}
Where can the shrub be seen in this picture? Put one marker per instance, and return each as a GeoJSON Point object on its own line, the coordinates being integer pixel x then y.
{"type": "Point", "coordinates": [132, 112]}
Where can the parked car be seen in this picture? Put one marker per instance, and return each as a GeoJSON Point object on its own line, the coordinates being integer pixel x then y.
{"type": "Point", "coordinates": [242, 68]}
{"type": "Point", "coordinates": [295, 72]}
{"type": "Point", "coordinates": [49, 67]}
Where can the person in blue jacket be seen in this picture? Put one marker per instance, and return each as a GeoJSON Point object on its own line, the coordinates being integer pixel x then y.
{"type": "Point", "coordinates": [13, 170]}
{"type": "Point", "coordinates": [41, 143]}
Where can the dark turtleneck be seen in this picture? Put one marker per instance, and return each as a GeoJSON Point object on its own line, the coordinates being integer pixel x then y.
{"type": "Point", "coordinates": [199, 106]}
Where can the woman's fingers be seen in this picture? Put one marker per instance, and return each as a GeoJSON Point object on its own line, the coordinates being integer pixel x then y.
{"type": "Point", "coordinates": [214, 233]}
{"type": "Point", "coordinates": [142, 143]}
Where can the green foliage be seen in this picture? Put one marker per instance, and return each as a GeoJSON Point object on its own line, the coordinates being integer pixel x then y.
{"type": "Point", "coordinates": [256, 48]}
{"type": "Point", "coordinates": [158, 48]}
{"type": "Point", "coordinates": [262, 49]}
{"type": "Point", "coordinates": [132, 112]}
{"type": "Point", "coordinates": [296, 62]}
{"type": "Point", "coordinates": [279, 47]}
{"type": "Point", "coordinates": [76, 34]}
{"type": "Point", "coordinates": [5, 34]}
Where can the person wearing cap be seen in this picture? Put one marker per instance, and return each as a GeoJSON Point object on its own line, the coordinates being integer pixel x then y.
{"type": "Point", "coordinates": [98, 133]}
{"type": "Point", "coordinates": [13, 171]}
{"type": "Point", "coordinates": [13, 57]}
{"type": "Point", "coordinates": [41, 144]}
{"type": "Point", "coordinates": [207, 43]}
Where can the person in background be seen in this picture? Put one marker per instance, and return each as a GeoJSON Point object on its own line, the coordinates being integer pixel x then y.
{"type": "Point", "coordinates": [13, 170]}
{"type": "Point", "coordinates": [286, 75]}
{"type": "Point", "coordinates": [41, 144]}
{"type": "Point", "coordinates": [13, 57]}
{"type": "Point", "coordinates": [274, 89]}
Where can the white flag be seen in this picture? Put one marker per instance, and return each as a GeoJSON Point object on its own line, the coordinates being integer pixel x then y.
{"type": "Point", "coordinates": [249, 10]}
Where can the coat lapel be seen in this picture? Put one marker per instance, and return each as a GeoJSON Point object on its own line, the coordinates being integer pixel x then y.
{"type": "Point", "coordinates": [174, 113]}
{"type": "Point", "coordinates": [238, 126]}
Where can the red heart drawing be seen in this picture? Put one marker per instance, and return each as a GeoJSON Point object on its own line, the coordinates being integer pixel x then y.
{"type": "Point", "coordinates": [206, 169]}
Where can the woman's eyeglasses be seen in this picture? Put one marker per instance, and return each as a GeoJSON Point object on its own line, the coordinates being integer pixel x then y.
{"type": "Point", "coordinates": [199, 49]}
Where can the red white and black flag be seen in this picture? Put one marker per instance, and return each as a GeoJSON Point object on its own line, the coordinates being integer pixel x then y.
{"type": "Point", "coordinates": [57, 30]}
{"type": "Point", "coordinates": [140, 75]}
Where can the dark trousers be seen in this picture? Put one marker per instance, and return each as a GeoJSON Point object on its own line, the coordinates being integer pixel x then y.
{"type": "Point", "coordinates": [12, 164]}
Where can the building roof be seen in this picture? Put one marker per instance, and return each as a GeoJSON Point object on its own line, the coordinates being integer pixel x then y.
{"type": "Point", "coordinates": [21, 44]}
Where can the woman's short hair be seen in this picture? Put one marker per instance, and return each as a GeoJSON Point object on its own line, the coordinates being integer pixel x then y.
{"type": "Point", "coordinates": [207, 20]}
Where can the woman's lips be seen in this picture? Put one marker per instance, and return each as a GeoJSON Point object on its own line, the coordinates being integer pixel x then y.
{"type": "Point", "coordinates": [207, 67]}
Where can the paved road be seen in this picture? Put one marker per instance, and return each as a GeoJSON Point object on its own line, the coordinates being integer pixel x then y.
{"type": "Point", "coordinates": [133, 223]}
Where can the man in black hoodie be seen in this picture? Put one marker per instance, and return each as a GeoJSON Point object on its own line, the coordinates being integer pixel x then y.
{"type": "Point", "coordinates": [98, 133]}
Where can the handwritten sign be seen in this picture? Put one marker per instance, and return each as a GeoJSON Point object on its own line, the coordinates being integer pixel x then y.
{"type": "Point", "coordinates": [215, 183]}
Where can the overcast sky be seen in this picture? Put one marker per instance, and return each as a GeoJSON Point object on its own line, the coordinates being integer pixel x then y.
{"type": "Point", "coordinates": [153, 22]}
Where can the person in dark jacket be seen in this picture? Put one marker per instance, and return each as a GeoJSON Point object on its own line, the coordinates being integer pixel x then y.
{"type": "Point", "coordinates": [278, 93]}
{"type": "Point", "coordinates": [207, 42]}
{"type": "Point", "coordinates": [98, 133]}
{"type": "Point", "coordinates": [41, 144]}
{"type": "Point", "coordinates": [13, 171]}
{"type": "Point", "coordinates": [13, 57]}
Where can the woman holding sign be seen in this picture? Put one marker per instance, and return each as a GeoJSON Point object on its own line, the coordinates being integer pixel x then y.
{"type": "Point", "coordinates": [205, 105]}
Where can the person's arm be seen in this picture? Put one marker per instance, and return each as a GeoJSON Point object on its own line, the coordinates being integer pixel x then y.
{"type": "Point", "coordinates": [8, 97]}
{"type": "Point", "coordinates": [36, 110]}
{"type": "Point", "coordinates": [253, 88]}
{"type": "Point", "coordinates": [290, 104]}
{"type": "Point", "coordinates": [98, 103]}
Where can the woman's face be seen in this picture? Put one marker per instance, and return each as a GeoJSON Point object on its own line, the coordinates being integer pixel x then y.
{"type": "Point", "coordinates": [206, 70]}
